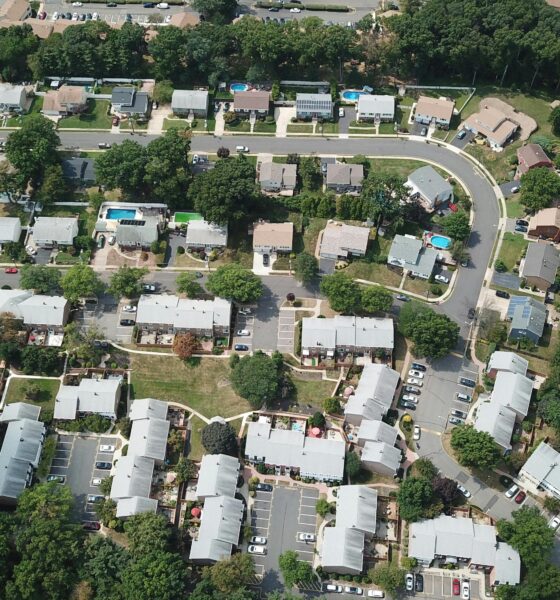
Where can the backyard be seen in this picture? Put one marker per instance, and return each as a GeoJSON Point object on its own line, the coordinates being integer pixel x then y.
{"type": "Point", "coordinates": [513, 246]}
{"type": "Point", "coordinates": [310, 391]}
{"type": "Point", "coordinates": [95, 117]}
{"type": "Point", "coordinates": [196, 449]}
{"type": "Point", "coordinates": [43, 393]}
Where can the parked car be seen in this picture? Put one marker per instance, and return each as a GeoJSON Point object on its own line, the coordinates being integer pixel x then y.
{"type": "Point", "coordinates": [465, 590]}
{"type": "Point", "coordinates": [410, 398]}
{"type": "Point", "coordinates": [471, 313]}
{"type": "Point", "coordinates": [241, 348]}
{"type": "Point", "coordinates": [461, 134]}
{"type": "Point", "coordinates": [402, 298]}
{"type": "Point", "coordinates": [258, 539]}
{"type": "Point", "coordinates": [375, 594]}
{"type": "Point", "coordinates": [30, 250]}
{"type": "Point", "coordinates": [468, 382]}
{"type": "Point", "coordinates": [510, 493]}
{"type": "Point", "coordinates": [307, 537]}
{"type": "Point", "coordinates": [441, 278]}
{"type": "Point", "coordinates": [244, 311]}
{"type": "Point", "coordinates": [407, 404]}
{"type": "Point", "coordinates": [102, 145]}
{"type": "Point", "coordinates": [455, 421]}
{"type": "Point", "coordinates": [409, 582]}
{"type": "Point", "coordinates": [410, 389]}
{"type": "Point", "coordinates": [54, 16]}
{"type": "Point", "coordinates": [502, 294]}
{"type": "Point", "coordinates": [243, 333]}
{"type": "Point", "coordinates": [253, 549]}
{"type": "Point", "coordinates": [515, 189]}
{"type": "Point", "coordinates": [506, 481]}
{"type": "Point", "coordinates": [463, 397]}
{"type": "Point", "coordinates": [459, 413]}
{"type": "Point", "coordinates": [149, 5]}
{"type": "Point", "coordinates": [415, 381]}
{"type": "Point", "coordinates": [464, 490]}
{"type": "Point", "coordinates": [418, 366]}
{"type": "Point", "coordinates": [127, 322]}
{"type": "Point", "coordinates": [77, 4]}
{"type": "Point", "coordinates": [352, 589]}
{"type": "Point", "coordinates": [520, 229]}
{"type": "Point", "coordinates": [42, 15]}
{"type": "Point", "coordinates": [93, 498]}
{"type": "Point", "coordinates": [419, 583]}
{"type": "Point", "coordinates": [198, 275]}
{"type": "Point", "coordinates": [163, 5]}
{"type": "Point", "coordinates": [106, 448]}
{"type": "Point", "coordinates": [10, 270]}
{"type": "Point", "coordinates": [295, 10]}
{"type": "Point", "coordinates": [129, 308]}
{"type": "Point", "coordinates": [103, 466]}
{"type": "Point", "coordinates": [95, 16]}
{"type": "Point", "coordinates": [238, 148]}
{"type": "Point", "coordinates": [341, 112]}
{"type": "Point", "coordinates": [554, 523]}
{"type": "Point", "coordinates": [111, 241]}
{"type": "Point", "coordinates": [100, 241]}
{"type": "Point", "coordinates": [456, 587]}
{"type": "Point", "coordinates": [519, 499]}
{"type": "Point", "coordinates": [273, 9]}
{"type": "Point", "coordinates": [264, 487]}
{"type": "Point", "coordinates": [332, 587]}
{"type": "Point", "coordinates": [424, 131]}
{"type": "Point", "coordinates": [115, 121]}
{"type": "Point", "coordinates": [417, 433]}
{"type": "Point", "coordinates": [266, 260]}
{"type": "Point", "coordinates": [522, 222]}
{"type": "Point", "coordinates": [149, 288]}
{"type": "Point", "coordinates": [56, 478]}
{"type": "Point", "coordinates": [96, 481]}
{"type": "Point", "coordinates": [91, 525]}
{"type": "Point", "coordinates": [415, 373]}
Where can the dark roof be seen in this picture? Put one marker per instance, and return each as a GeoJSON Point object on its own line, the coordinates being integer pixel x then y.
{"type": "Point", "coordinates": [82, 169]}
{"type": "Point", "coordinates": [130, 101]}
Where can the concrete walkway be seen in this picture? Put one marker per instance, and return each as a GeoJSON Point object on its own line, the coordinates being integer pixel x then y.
{"type": "Point", "coordinates": [220, 124]}
{"type": "Point", "coordinates": [156, 122]}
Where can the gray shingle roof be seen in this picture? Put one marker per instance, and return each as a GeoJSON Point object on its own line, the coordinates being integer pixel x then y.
{"type": "Point", "coordinates": [343, 549]}
{"type": "Point", "coordinates": [62, 230]}
{"type": "Point", "coordinates": [383, 454]}
{"type": "Point", "coordinates": [382, 105]}
{"type": "Point", "coordinates": [341, 331]}
{"type": "Point", "coordinates": [126, 507]}
{"type": "Point", "coordinates": [146, 408]}
{"type": "Point", "coordinates": [11, 299]}
{"type": "Point", "coordinates": [514, 391]}
{"type": "Point", "coordinates": [44, 310]}
{"type": "Point", "coordinates": [284, 173]}
{"type": "Point", "coordinates": [141, 233]}
{"type": "Point", "coordinates": [129, 100]}
{"type": "Point", "coordinates": [508, 361]}
{"type": "Point", "coordinates": [372, 431]}
{"type": "Point", "coordinates": [148, 437]}
{"type": "Point", "coordinates": [356, 508]}
{"type": "Point", "coordinates": [90, 396]}
{"type": "Point", "coordinates": [340, 239]}
{"type": "Point", "coordinates": [544, 465]}
{"type": "Point", "coordinates": [217, 476]}
{"type": "Point", "coordinates": [527, 314]}
{"type": "Point", "coordinates": [542, 261]}
{"type": "Point", "coordinates": [507, 565]}
{"type": "Point", "coordinates": [201, 233]}
{"type": "Point", "coordinates": [345, 174]}
{"type": "Point", "coordinates": [430, 184]}
{"type": "Point", "coordinates": [189, 99]}
{"type": "Point", "coordinates": [374, 394]}
{"type": "Point", "coordinates": [133, 477]}
{"type": "Point", "coordinates": [20, 410]}
{"type": "Point", "coordinates": [79, 169]}
{"type": "Point", "coordinates": [410, 254]}
{"type": "Point", "coordinates": [10, 229]}
{"type": "Point", "coordinates": [497, 420]}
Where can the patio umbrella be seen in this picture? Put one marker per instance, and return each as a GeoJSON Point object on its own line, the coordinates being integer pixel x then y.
{"type": "Point", "coordinates": [196, 512]}
{"type": "Point", "coordinates": [316, 431]}
{"type": "Point", "coordinates": [348, 391]}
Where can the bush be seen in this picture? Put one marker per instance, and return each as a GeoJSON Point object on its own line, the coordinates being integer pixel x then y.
{"type": "Point", "coordinates": [180, 250]}
{"type": "Point", "coordinates": [436, 290]}
{"type": "Point", "coordinates": [500, 266]}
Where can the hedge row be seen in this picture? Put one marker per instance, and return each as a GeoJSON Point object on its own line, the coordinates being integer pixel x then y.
{"type": "Point", "coordinates": [287, 5]}
{"type": "Point", "coordinates": [86, 2]}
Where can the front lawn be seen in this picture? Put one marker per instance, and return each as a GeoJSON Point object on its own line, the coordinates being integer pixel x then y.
{"type": "Point", "coordinates": [95, 117]}
{"type": "Point", "coordinates": [514, 208]}
{"type": "Point", "coordinates": [402, 168]}
{"type": "Point", "coordinates": [240, 126]}
{"type": "Point", "coordinates": [379, 273]}
{"type": "Point", "coordinates": [265, 127]}
{"type": "Point", "coordinates": [295, 128]}
{"type": "Point", "coordinates": [387, 128]}
{"type": "Point", "coordinates": [421, 286]}
{"type": "Point", "coordinates": [308, 391]}
{"type": "Point", "coordinates": [34, 109]}
{"type": "Point", "coordinates": [46, 394]}
{"type": "Point", "coordinates": [327, 128]}
{"type": "Point", "coordinates": [311, 234]}
{"type": "Point", "coordinates": [512, 248]}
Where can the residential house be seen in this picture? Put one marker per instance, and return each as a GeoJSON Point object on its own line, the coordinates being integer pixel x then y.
{"type": "Point", "coordinates": [251, 103]}
{"type": "Point", "coordinates": [345, 178]}
{"type": "Point", "coordinates": [273, 237]}
{"type": "Point", "coordinates": [461, 540]}
{"type": "Point", "coordinates": [513, 391]}
{"type": "Point", "coordinates": [492, 124]}
{"type": "Point", "coordinates": [10, 230]}
{"type": "Point", "coordinates": [409, 253]}
{"type": "Point", "coordinates": [128, 216]}
{"type": "Point", "coordinates": [434, 111]}
{"type": "Point", "coordinates": [376, 108]}
{"type": "Point", "coordinates": [13, 11]}
{"type": "Point", "coordinates": [11, 299]}
{"type": "Point", "coordinates": [148, 408]}
{"type": "Point", "coordinates": [193, 103]}
{"type": "Point", "coordinates": [546, 224]}
{"type": "Point", "coordinates": [540, 265]}
{"type": "Point", "coordinates": [375, 430]}
{"type": "Point", "coordinates": [50, 232]}
{"type": "Point", "coordinates": [293, 452]}
{"type": "Point", "coordinates": [528, 318]}
{"type": "Point", "coordinates": [339, 336]}
{"type": "Point", "coordinates": [278, 177]}
{"type": "Point", "coordinates": [509, 362]}
{"type": "Point", "coordinates": [91, 396]}
{"type": "Point", "coordinates": [127, 101]}
{"type": "Point", "coordinates": [341, 241]}
{"type": "Point", "coordinates": [45, 312]}
{"type": "Point", "coordinates": [204, 318]}
{"type": "Point", "coordinates": [202, 235]}
{"type": "Point", "coordinates": [314, 106]}
{"type": "Point", "coordinates": [79, 171]}
{"type": "Point", "coordinates": [342, 550]}
{"type": "Point", "coordinates": [183, 20]}
{"type": "Point", "coordinates": [542, 471]}
{"type": "Point", "coordinates": [22, 436]}
{"type": "Point", "coordinates": [217, 476]}
{"type": "Point", "coordinates": [498, 421]}
{"type": "Point", "coordinates": [428, 186]}
{"type": "Point", "coordinates": [379, 457]}
{"type": "Point", "coordinates": [67, 100]}
{"type": "Point", "coordinates": [356, 508]}
{"type": "Point", "coordinates": [531, 156]}
{"type": "Point", "coordinates": [12, 97]}
{"type": "Point", "coordinates": [138, 233]}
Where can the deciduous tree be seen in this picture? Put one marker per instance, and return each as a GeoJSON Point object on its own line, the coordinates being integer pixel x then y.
{"type": "Point", "coordinates": [80, 281]}
{"type": "Point", "coordinates": [219, 438]}
{"type": "Point", "coordinates": [306, 267]}
{"type": "Point", "coordinates": [257, 379]}
{"type": "Point", "coordinates": [457, 226]}
{"type": "Point", "coordinates": [185, 345]}
{"type": "Point", "coordinates": [474, 448]}
{"type": "Point", "coordinates": [126, 282]}
{"type": "Point", "coordinates": [388, 577]}
{"type": "Point", "coordinates": [342, 292]}
{"type": "Point", "coordinates": [234, 282]}
{"type": "Point", "coordinates": [230, 574]}
{"type": "Point", "coordinates": [41, 279]}
{"type": "Point", "coordinates": [416, 499]}
{"type": "Point", "coordinates": [376, 299]}
{"type": "Point", "coordinates": [187, 284]}
{"type": "Point", "coordinates": [294, 570]}
{"type": "Point", "coordinates": [539, 188]}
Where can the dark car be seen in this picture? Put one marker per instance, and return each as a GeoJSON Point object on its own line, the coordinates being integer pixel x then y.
{"type": "Point", "coordinates": [127, 322]}
{"type": "Point", "coordinates": [472, 313]}
{"type": "Point", "coordinates": [418, 366]}
{"type": "Point", "coordinates": [264, 487]}
{"type": "Point", "coordinates": [89, 17]}
{"type": "Point", "coordinates": [461, 134]}
{"type": "Point", "coordinates": [407, 404]}
{"type": "Point", "coordinates": [506, 481]}
{"type": "Point", "coordinates": [468, 382]}
{"type": "Point", "coordinates": [424, 132]}
{"type": "Point", "coordinates": [520, 497]}
{"type": "Point", "coordinates": [83, 17]}
{"type": "Point", "coordinates": [129, 18]}
{"type": "Point", "coordinates": [111, 5]}
{"type": "Point", "coordinates": [91, 525]}
{"type": "Point", "coordinates": [402, 298]}
{"type": "Point", "coordinates": [241, 347]}
{"type": "Point", "coordinates": [502, 294]}
{"type": "Point", "coordinates": [419, 583]}
{"type": "Point", "coordinates": [68, 16]}
{"type": "Point", "coordinates": [56, 478]}
{"type": "Point", "coordinates": [226, 106]}
{"type": "Point", "coordinates": [266, 260]}
{"type": "Point", "coordinates": [103, 466]}
{"type": "Point", "coordinates": [410, 389]}
{"type": "Point", "coordinates": [148, 288]}
{"type": "Point", "coordinates": [521, 229]}
{"type": "Point", "coordinates": [149, 5]}
{"type": "Point", "coordinates": [273, 9]}
{"type": "Point", "coordinates": [522, 222]}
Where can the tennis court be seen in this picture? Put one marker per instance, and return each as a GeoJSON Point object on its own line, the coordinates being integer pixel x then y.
{"type": "Point", "coordinates": [186, 217]}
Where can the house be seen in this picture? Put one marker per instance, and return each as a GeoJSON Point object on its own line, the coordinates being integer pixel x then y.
{"type": "Point", "coordinates": [131, 215]}
{"type": "Point", "coordinates": [45, 312]}
{"type": "Point", "coordinates": [345, 178]}
{"type": "Point", "coordinates": [91, 396]}
{"type": "Point", "coordinates": [376, 108]}
{"type": "Point", "coordinates": [133, 477]}
{"type": "Point", "coordinates": [461, 540]}
{"type": "Point", "coordinates": [531, 156]}
{"type": "Point", "coordinates": [546, 224]}
{"type": "Point", "coordinates": [278, 177]}
{"type": "Point", "coordinates": [528, 318]}
{"type": "Point", "coordinates": [356, 508]}
{"type": "Point", "coordinates": [217, 476]}
{"type": "Point", "coordinates": [67, 100]}
{"type": "Point", "coordinates": [293, 452]}
{"type": "Point", "coordinates": [273, 237]}
{"type": "Point", "coordinates": [498, 421]}
{"type": "Point", "coordinates": [204, 318]}
{"type": "Point", "coordinates": [339, 336]}
{"type": "Point", "coordinates": [251, 103]}
{"type": "Point", "coordinates": [342, 550]}
{"type": "Point", "coordinates": [428, 186]}
{"type": "Point", "coordinates": [540, 265]}
{"type": "Point", "coordinates": [492, 124]}
{"type": "Point", "coordinates": [434, 111]}
{"type": "Point", "coordinates": [508, 362]}
{"type": "Point", "coordinates": [513, 391]}
{"type": "Point", "coordinates": [340, 240]}
{"type": "Point", "coordinates": [10, 230]}
{"type": "Point", "coordinates": [219, 530]}
{"type": "Point", "coordinates": [15, 10]}
{"type": "Point", "coordinates": [542, 471]}
{"type": "Point", "coordinates": [314, 106]}
{"type": "Point", "coordinates": [22, 436]}
{"type": "Point", "coordinates": [184, 20]}
{"type": "Point", "coordinates": [409, 253]}
{"type": "Point", "coordinates": [193, 103]}
{"type": "Point", "coordinates": [373, 395]}
{"type": "Point", "coordinates": [12, 97]}
{"type": "Point", "coordinates": [148, 408]}
{"type": "Point", "coordinates": [50, 232]}
{"type": "Point", "coordinates": [138, 233]}
{"type": "Point", "coordinates": [127, 101]}
{"type": "Point", "coordinates": [375, 430]}
{"type": "Point", "coordinates": [202, 235]}
{"type": "Point", "coordinates": [80, 171]}
{"type": "Point", "coordinates": [11, 299]}
{"type": "Point", "coordinates": [379, 457]}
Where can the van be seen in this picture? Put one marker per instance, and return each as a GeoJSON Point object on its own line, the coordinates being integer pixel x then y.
{"type": "Point", "coordinates": [241, 149]}
{"type": "Point", "coordinates": [463, 397]}
{"type": "Point", "coordinates": [376, 594]}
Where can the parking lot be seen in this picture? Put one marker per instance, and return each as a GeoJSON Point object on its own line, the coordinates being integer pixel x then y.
{"type": "Point", "coordinates": [75, 458]}
{"type": "Point", "coordinates": [286, 323]}
{"type": "Point", "coordinates": [439, 585]}
{"type": "Point", "coordinates": [106, 316]}
{"type": "Point", "coordinates": [280, 516]}
{"type": "Point", "coordinates": [244, 323]}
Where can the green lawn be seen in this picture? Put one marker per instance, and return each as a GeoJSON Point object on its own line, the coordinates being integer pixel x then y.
{"type": "Point", "coordinates": [311, 233]}
{"type": "Point", "coordinates": [127, 125]}
{"type": "Point", "coordinates": [387, 128]}
{"type": "Point", "coordinates": [240, 126]}
{"type": "Point", "coordinates": [402, 168]}
{"type": "Point", "coordinates": [48, 388]}
{"type": "Point", "coordinates": [204, 387]}
{"type": "Point", "coordinates": [35, 108]}
{"type": "Point", "coordinates": [514, 208]}
{"type": "Point", "coordinates": [95, 117]}
{"type": "Point", "coordinates": [328, 128]}
{"type": "Point", "coordinates": [359, 269]}
{"type": "Point", "coordinates": [311, 391]}
{"type": "Point", "coordinates": [513, 246]}
{"type": "Point", "coordinates": [196, 449]}
{"type": "Point", "coordinates": [295, 128]}
{"type": "Point", "coordinates": [265, 127]}
{"type": "Point", "coordinates": [421, 286]}
{"type": "Point", "coordinates": [175, 124]}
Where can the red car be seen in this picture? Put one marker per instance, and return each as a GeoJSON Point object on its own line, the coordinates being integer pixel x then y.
{"type": "Point", "coordinates": [10, 270]}
{"type": "Point", "coordinates": [520, 497]}
{"type": "Point", "coordinates": [91, 525]}
{"type": "Point", "coordinates": [456, 587]}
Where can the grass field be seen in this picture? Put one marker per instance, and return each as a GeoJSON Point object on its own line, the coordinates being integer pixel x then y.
{"type": "Point", "coordinates": [310, 391]}
{"type": "Point", "coordinates": [402, 168]}
{"type": "Point", "coordinates": [196, 449]}
{"type": "Point", "coordinates": [378, 273]}
{"type": "Point", "coordinates": [265, 127]}
{"type": "Point", "coordinates": [95, 117]}
{"type": "Point", "coordinates": [514, 208]}
{"type": "Point", "coordinates": [186, 217]}
{"type": "Point", "coordinates": [242, 126]}
{"type": "Point", "coordinates": [48, 388]}
{"type": "Point", "coordinates": [34, 109]}
{"type": "Point", "coordinates": [311, 234]}
{"type": "Point", "coordinates": [512, 248]}
{"type": "Point", "coordinates": [294, 128]}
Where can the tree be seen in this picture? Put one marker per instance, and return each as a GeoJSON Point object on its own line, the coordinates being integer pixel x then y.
{"type": "Point", "coordinates": [332, 406]}
{"type": "Point", "coordinates": [186, 284]}
{"type": "Point", "coordinates": [185, 470]}
{"type": "Point", "coordinates": [388, 577]}
{"type": "Point", "coordinates": [104, 563]}
{"type": "Point", "coordinates": [219, 438]}
{"type": "Point", "coordinates": [458, 252]}
{"type": "Point", "coordinates": [15, 251]}
{"type": "Point", "coordinates": [80, 281]}
{"type": "Point", "coordinates": [352, 465]}
{"type": "Point", "coordinates": [84, 344]}
{"type": "Point", "coordinates": [529, 534]}
{"type": "Point", "coordinates": [474, 448]}
{"type": "Point", "coordinates": [425, 468]}
{"type": "Point", "coordinates": [322, 507]}
{"type": "Point", "coordinates": [317, 420]}
{"type": "Point", "coordinates": [309, 172]}
{"type": "Point", "coordinates": [233, 282]}
{"type": "Point", "coordinates": [257, 379]}
{"type": "Point", "coordinates": [539, 188]}
{"type": "Point", "coordinates": [415, 499]}
{"type": "Point", "coordinates": [230, 574]}
{"type": "Point", "coordinates": [12, 183]}
{"type": "Point", "coordinates": [54, 187]}
{"type": "Point", "coordinates": [216, 11]}
{"type": "Point", "coordinates": [376, 299]}
{"type": "Point", "coordinates": [457, 226]}
{"type": "Point", "coordinates": [126, 282]}
{"type": "Point", "coordinates": [41, 279]}
{"type": "Point", "coordinates": [40, 361]}
{"type": "Point", "coordinates": [294, 570]}
{"type": "Point", "coordinates": [185, 345]}
{"type": "Point", "coordinates": [306, 267]}
{"type": "Point", "coordinates": [17, 45]}
{"type": "Point", "coordinates": [445, 489]}
{"type": "Point", "coordinates": [342, 292]}
{"type": "Point", "coordinates": [554, 119]}
{"type": "Point", "coordinates": [123, 167]}
{"type": "Point", "coordinates": [552, 504]}
{"type": "Point", "coordinates": [222, 152]}
{"type": "Point", "coordinates": [163, 91]}
{"type": "Point", "coordinates": [383, 198]}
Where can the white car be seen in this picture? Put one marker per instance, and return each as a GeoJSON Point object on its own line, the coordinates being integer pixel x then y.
{"type": "Point", "coordinates": [168, 19]}
{"type": "Point", "coordinates": [256, 550]}
{"type": "Point", "coordinates": [417, 433]}
{"type": "Point", "coordinates": [54, 16]}
{"type": "Point", "coordinates": [353, 589]}
{"type": "Point", "coordinates": [95, 17]}
{"type": "Point", "coordinates": [554, 523]}
{"type": "Point", "coordinates": [332, 587]}
{"type": "Point", "coordinates": [258, 539]}
{"type": "Point", "coordinates": [129, 308]}
{"type": "Point", "coordinates": [96, 481]}
{"type": "Point", "coordinates": [306, 537]}
{"type": "Point", "coordinates": [30, 250]}
{"type": "Point", "coordinates": [409, 582]}
{"type": "Point", "coordinates": [243, 333]}
{"type": "Point", "coordinates": [162, 5]}
{"type": "Point", "coordinates": [341, 112]}
{"type": "Point", "coordinates": [244, 311]}
{"type": "Point", "coordinates": [465, 590]}
{"type": "Point", "coordinates": [415, 373]}
{"type": "Point", "coordinates": [512, 491]}
{"type": "Point", "coordinates": [106, 448]}
{"type": "Point", "coordinates": [463, 491]}
{"type": "Point", "coordinates": [241, 148]}
{"type": "Point", "coordinates": [77, 4]}
{"type": "Point", "coordinates": [295, 10]}
{"type": "Point", "coordinates": [410, 398]}
{"type": "Point", "coordinates": [375, 594]}
{"type": "Point", "coordinates": [414, 381]}
{"type": "Point", "coordinates": [75, 17]}
{"type": "Point", "coordinates": [441, 278]}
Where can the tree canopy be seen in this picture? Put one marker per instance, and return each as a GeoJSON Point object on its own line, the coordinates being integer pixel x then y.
{"type": "Point", "coordinates": [474, 448]}
{"type": "Point", "coordinates": [219, 438]}
{"type": "Point", "coordinates": [294, 570]}
{"type": "Point", "coordinates": [126, 282]}
{"type": "Point", "coordinates": [342, 292]}
{"type": "Point", "coordinates": [539, 188]}
{"type": "Point", "coordinates": [306, 267]}
{"type": "Point", "coordinates": [80, 281]}
{"type": "Point", "coordinates": [456, 225]}
{"type": "Point", "coordinates": [376, 299]}
{"type": "Point", "coordinates": [389, 578]}
{"type": "Point", "coordinates": [233, 282]}
{"type": "Point", "coordinates": [257, 378]}
{"type": "Point", "coordinates": [416, 499]}
{"type": "Point", "coordinates": [41, 279]}
{"type": "Point", "coordinates": [187, 284]}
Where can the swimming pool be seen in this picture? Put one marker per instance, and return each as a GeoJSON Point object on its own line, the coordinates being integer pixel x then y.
{"type": "Point", "coordinates": [351, 95]}
{"type": "Point", "coordinates": [440, 241]}
{"type": "Point", "coordinates": [239, 87]}
{"type": "Point", "coordinates": [120, 213]}
{"type": "Point", "coordinates": [186, 217]}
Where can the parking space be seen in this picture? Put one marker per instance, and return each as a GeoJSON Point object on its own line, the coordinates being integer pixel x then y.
{"type": "Point", "coordinates": [506, 280]}
{"type": "Point", "coordinates": [245, 324]}
{"type": "Point", "coordinates": [510, 188]}
{"type": "Point", "coordinates": [286, 323]}
{"type": "Point", "coordinates": [438, 586]}
{"type": "Point", "coordinates": [461, 143]}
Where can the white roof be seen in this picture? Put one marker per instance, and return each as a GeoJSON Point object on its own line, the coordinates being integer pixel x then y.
{"type": "Point", "coordinates": [133, 477]}
{"type": "Point", "coordinates": [11, 299]}
{"type": "Point", "coordinates": [383, 454]}
{"type": "Point", "coordinates": [55, 229]}
{"type": "Point", "coordinates": [514, 391]}
{"type": "Point", "coordinates": [497, 420]}
{"type": "Point", "coordinates": [343, 331]}
{"type": "Point", "coordinates": [11, 94]}
{"type": "Point", "coordinates": [376, 104]}
{"type": "Point", "coordinates": [44, 310]}
{"type": "Point", "coordinates": [377, 431]}
{"type": "Point", "coordinates": [202, 233]}
{"type": "Point", "coordinates": [148, 437]}
{"type": "Point", "coordinates": [356, 508]}
{"type": "Point", "coordinates": [317, 332]}
{"type": "Point", "coordinates": [126, 507]}
{"type": "Point", "coordinates": [375, 391]}
{"type": "Point", "coordinates": [217, 476]}
{"type": "Point", "coordinates": [339, 238]}
{"type": "Point", "coordinates": [508, 361]}
{"type": "Point", "coordinates": [507, 565]}
{"type": "Point", "coordinates": [544, 465]}
{"type": "Point", "coordinates": [190, 99]}
{"type": "Point", "coordinates": [91, 396]}
{"type": "Point", "coordinates": [10, 229]}
{"type": "Point", "coordinates": [147, 408]}
{"type": "Point", "coordinates": [23, 441]}
{"type": "Point", "coordinates": [14, 475]}
{"type": "Point", "coordinates": [343, 548]}
{"type": "Point", "coordinates": [20, 410]}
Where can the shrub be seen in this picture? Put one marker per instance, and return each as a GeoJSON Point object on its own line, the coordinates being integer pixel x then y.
{"type": "Point", "coordinates": [180, 250]}
{"type": "Point", "coordinates": [500, 266]}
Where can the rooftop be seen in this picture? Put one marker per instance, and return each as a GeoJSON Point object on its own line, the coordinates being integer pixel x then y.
{"type": "Point", "coordinates": [430, 183]}
{"type": "Point", "coordinates": [508, 361]}
{"type": "Point", "coordinates": [377, 431]}
{"type": "Point", "coordinates": [190, 99]}
{"type": "Point", "coordinates": [282, 172]}
{"type": "Point", "coordinates": [383, 454]}
{"type": "Point", "coordinates": [343, 548]}
{"type": "Point", "coordinates": [217, 476]}
{"type": "Point", "coordinates": [44, 310]}
{"type": "Point", "coordinates": [59, 229]}
{"type": "Point", "coordinates": [254, 100]}
{"type": "Point", "coordinates": [356, 508]}
{"type": "Point", "coordinates": [547, 217]}
{"type": "Point", "coordinates": [497, 420]}
{"type": "Point", "coordinates": [542, 261]}
{"type": "Point", "coordinates": [345, 174]}
{"type": "Point", "coordinates": [440, 108]}
{"type": "Point", "coordinates": [345, 331]}
{"type": "Point", "coordinates": [10, 229]}
{"type": "Point", "coordinates": [340, 239]}
{"type": "Point", "coordinates": [147, 408]}
{"type": "Point", "coordinates": [544, 465]}
{"type": "Point", "coordinates": [206, 234]}
{"type": "Point", "coordinates": [514, 391]}
{"type": "Point", "coordinates": [374, 394]}
{"type": "Point", "coordinates": [280, 235]}
{"type": "Point", "coordinates": [527, 314]}
{"type": "Point", "coordinates": [369, 103]}
{"type": "Point", "coordinates": [531, 155]}
{"type": "Point", "coordinates": [90, 396]}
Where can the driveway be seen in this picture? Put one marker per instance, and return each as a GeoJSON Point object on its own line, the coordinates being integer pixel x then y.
{"type": "Point", "coordinates": [464, 142]}
{"type": "Point", "coordinates": [506, 280]}
{"type": "Point", "coordinates": [507, 188]}
{"type": "Point", "coordinates": [344, 122]}
{"type": "Point", "coordinates": [175, 241]}
{"type": "Point", "coordinates": [283, 117]}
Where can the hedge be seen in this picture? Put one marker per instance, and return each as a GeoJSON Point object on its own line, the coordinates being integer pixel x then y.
{"type": "Point", "coordinates": [288, 5]}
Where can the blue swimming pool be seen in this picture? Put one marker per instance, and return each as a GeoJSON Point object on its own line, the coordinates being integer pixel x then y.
{"type": "Point", "coordinates": [351, 95]}
{"type": "Point", "coordinates": [440, 241]}
{"type": "Point", "coordinates": [239, 87]}
{"type": "Point", "coordinates": [120, 213]}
